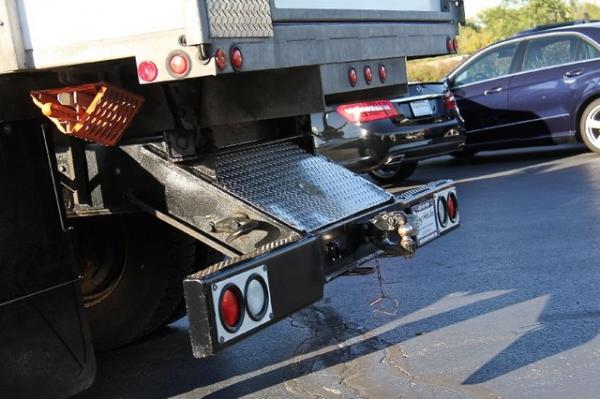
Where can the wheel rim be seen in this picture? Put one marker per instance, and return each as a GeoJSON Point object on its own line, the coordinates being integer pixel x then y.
{"type": "Point", "coordinates": [101, 258]}
{"type": "Point", "coordinates": [384, 173]}
{"type": "Point", "coordinates": [592, 127]}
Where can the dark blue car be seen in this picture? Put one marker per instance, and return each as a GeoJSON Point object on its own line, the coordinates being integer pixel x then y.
{"type": "Point", "coordinates": [541, 87]}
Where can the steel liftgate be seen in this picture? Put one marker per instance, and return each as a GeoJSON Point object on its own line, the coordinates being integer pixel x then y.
{"type": "Point", "coordinates": [289, 221]}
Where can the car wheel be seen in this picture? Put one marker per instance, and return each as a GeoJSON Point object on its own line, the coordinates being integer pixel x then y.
{"type": "Point", "coordinates": [132, 270]}
{"type": "Point", "coordinates": [387, 174]}
{"type": "Point", "coordinates": [589, 126]}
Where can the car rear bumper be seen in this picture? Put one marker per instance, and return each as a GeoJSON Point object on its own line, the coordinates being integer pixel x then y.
{"type": "Point", "coordinates": [370, 149]}
{"type": "Point", "coordinates": [425, 149]}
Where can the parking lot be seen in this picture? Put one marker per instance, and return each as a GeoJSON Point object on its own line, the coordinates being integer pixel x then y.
{"type": "Point", "coordinates": [507, 306]}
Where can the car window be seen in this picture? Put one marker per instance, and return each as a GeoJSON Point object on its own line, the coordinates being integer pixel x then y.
{"type": "Point", "coordinates": [493, 64]}
{"type": "Point", "coordinates": [550, 51]}
{"type": "Point", "coordinates": [587, 51]}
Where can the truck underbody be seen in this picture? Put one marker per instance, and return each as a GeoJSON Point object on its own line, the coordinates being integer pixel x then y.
{"type": "Point", "coordinates": [215, 183]}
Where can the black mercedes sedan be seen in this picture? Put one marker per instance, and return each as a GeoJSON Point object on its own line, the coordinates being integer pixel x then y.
{"type": "Point", "coordinates": [387, 138]}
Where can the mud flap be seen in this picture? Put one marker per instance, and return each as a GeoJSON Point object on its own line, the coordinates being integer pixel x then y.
{"type": "Point", "coordinates": [45, 345]}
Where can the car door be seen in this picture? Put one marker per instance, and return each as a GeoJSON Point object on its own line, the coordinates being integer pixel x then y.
{"type": "Point", "coordinates": [540, 97]}
{"type": "Point", "coordinates": [481, 91]}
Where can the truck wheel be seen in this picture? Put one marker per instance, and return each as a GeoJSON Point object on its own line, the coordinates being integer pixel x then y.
{"type": "Point", "coordinates": [589, 126]}
{"type": "Point", "coordinates": [132, 267]}
{"type": "Point", "coordinates": [205, 256]}
{"type": "Point", "coordinates": [390, 175]}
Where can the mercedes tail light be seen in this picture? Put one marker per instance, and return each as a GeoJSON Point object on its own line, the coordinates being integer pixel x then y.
{"type": "Point", "coordinates": [450, 102]}
{"type": "Point", "coordinates": [367, 111]}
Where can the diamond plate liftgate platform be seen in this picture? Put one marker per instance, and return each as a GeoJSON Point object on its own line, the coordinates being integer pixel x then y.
{"type": "Point", "coordinates": [304, 191]}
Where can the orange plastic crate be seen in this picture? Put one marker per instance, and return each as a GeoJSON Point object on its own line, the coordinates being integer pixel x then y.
{"type": "Point", "coordinates": [96, 112]}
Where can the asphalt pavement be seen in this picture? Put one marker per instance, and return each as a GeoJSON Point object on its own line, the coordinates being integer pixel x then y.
{"type": "Point", "coordinates": [506, 306]}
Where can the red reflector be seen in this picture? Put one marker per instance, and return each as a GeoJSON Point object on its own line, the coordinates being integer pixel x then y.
{"type": "Point", "coordinates": [221, 59]}
{"type": "Point", "coordinates": [230, 307]}
{"type": "Point", "coordinates": [237, 58]}
{"type": "Point", "coordinates": [452, 206]}
{"type": "Point", "coordinates": [450, 102]}
{"type": "Point", "coordinates": [382, 73]}
{"type": "Point", "coordinates": [368, 74]}
{"type": "Point", "coordinates": [367, 111]}
{"type": "Point", "coordinates": [147, 71]}
{"type": "Point", "coordinates": [450, 45]}
{"type": "Point", "coordinates": [352, 77]}
{"type": "Point", "coordinates": [178, 64]}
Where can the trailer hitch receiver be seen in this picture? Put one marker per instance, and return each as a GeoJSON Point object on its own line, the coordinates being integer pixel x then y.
{"type": "Point", "coordinates": [391, 232]}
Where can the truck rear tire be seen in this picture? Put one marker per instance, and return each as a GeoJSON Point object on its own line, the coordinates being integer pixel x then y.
{"type": "Point", "coordinates": [133, 267]}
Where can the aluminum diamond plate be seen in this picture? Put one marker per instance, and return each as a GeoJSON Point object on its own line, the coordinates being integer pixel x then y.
{"type": "Point", "coordinates": [239, 18]}
{"type": "Point", "coordinates": [304, 191]}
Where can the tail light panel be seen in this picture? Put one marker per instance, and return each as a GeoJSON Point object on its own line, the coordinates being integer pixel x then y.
{"type": "Point", "coordinates": [367, 111]}
{"type": "Point", "coordinates": [447, 211]}
{"type": "Point", "coordinates": [241, 284]}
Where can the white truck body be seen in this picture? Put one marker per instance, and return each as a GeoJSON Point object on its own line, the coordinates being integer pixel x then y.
{"type": "Point", "coordinates": [37, 35]}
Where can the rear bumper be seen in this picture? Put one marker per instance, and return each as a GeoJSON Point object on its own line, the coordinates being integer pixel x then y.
{"type": "Point", "coordinates": [297, 270]}
{"type": "Point", "coordinates": [366, 149]}
{"type": "Point", "coordinates": [425, 149]}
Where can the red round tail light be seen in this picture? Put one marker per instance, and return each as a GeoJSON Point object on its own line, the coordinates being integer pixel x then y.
{"type": "Point", "coordinates": [352, 77]}
{"type": "Point", "coordinates": [178, 64]}
{"type": "Point", "coordinates": [237, 58]}
{"type": "Point", "coordinates": [147, 71]}
{"type": "Point", "coordinates": [452, 207]}
{"type": "Point", "coordinates": [382, 73]}
{"type": "Point", "coordinates": [450, 45]}
{"type": "Point", "coordinates": [368, 75]}
{"type": "Point", "coordinates": [231, 308]}
{"type": "Point", "coordinates": [221, 59]}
